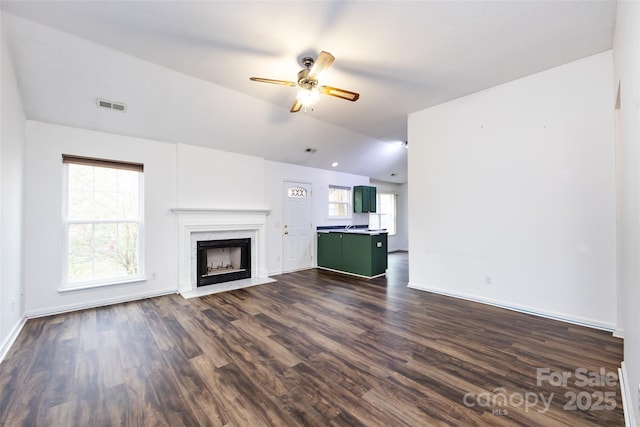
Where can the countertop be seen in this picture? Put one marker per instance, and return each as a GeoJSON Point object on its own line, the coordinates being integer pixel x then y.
{"type": "Point", "coordinates": [356, 231]}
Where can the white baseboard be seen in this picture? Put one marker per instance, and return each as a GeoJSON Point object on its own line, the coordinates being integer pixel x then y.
{"type": "Point", "coordinates": [8, 342]}
{"type": "Point", "coordinates": [618, 333]}
{"type": "Point", "coordinates": [100, 303]}
{"type": "Point", "coordinates": [576, 320]}
{"type": "Point", "coordinates": [627, 402]}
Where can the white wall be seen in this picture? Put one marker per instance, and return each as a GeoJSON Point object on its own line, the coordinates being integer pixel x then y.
{"type": "Point", "coordinates": [43, 215]}
{"type": "Point", "coordinates": [12, 125]}
{"type": "Point", "coordinates": [399, 241]}
{"type": "Point", "coordinates": [210, 178]}
{"type": "Point", "coordinates": [275, 174]}
{"type": "Point", "coordinates": [176, 175]}
{"type": "Point", "coordinates": [627, 77]}
{"type": "Point", "coordinates": [515, 185]}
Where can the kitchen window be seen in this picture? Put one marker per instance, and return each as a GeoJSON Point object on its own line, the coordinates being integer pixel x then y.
{"type": "Point", "coordinates": [103, 222]}
{"type": "Point", "coordinates": [385, 217]}
{"type": "Point", "coordinates": [339, 202]}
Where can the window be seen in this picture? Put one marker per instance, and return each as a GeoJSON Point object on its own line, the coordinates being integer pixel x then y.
{"type": "Point", "coordinates": [339, 202]}
{"type": "Point", "coordinates": [386, 215]}
{"type": "Point", "coordinates": [297, 192]}
{"type": "Point", "coordinates": [103, 221]}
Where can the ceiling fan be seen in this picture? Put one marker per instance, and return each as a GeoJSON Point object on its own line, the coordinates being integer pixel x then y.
{"type": "Point", "coordinates": [310, 89]}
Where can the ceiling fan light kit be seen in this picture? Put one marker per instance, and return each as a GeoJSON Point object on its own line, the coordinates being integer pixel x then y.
{"type": "Point", "coordinates": [308, 97]}
{"type": "Point", "coordinates": [310, 89]}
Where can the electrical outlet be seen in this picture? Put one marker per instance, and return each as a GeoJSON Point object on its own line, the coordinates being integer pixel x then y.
{"type": "Point", "coordinates": [13, 304]}
{"type": "Point", "coordinates": [154, 276]}
{"type": "Point", "coordinates": [489, 280]}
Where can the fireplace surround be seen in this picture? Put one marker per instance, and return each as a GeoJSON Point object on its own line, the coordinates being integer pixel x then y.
{"type": "Point", "coordinates": [199, 224]}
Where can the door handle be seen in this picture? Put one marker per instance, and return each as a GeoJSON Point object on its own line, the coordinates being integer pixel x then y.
{"type": "Point", "coordinates": [286, 232]}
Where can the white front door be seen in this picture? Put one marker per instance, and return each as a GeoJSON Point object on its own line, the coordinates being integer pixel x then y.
{"type": "Point", "coordinates": [297, 230]}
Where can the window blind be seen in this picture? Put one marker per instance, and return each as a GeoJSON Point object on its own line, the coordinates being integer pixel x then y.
{"type": "Point", "coordinates": [92, 161]}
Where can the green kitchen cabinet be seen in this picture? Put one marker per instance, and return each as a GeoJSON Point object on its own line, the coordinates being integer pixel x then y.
{"type": "Point", "coordinates": [356, 254]}
{"type": "Point", "coordinates": [362, 254]}
{"type": "Point", "coordinates": [330, 250]}
{"type": "Point", "coordinates": [364, 199]}
{"type": "Point", "coordinates": [379, 254]}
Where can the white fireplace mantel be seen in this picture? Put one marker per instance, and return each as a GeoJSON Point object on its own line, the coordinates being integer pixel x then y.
{"type": "Point", "coordinates": [224, 222]}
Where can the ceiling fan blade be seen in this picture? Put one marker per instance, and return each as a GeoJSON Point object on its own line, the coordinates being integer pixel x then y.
{"type": "Point", "coordinates": [324, 61]}
{"type": "Point", "coordinates": [340, 93]}
{"type": "Point", "coordinates": [277, 82]}
{"type": "Point", "coordinates": [297, 105]}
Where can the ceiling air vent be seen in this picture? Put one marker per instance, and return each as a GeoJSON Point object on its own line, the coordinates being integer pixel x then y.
{"type": "Point", "coordinates": [311, 150]}
{"type": "Point", "coordinates": [118, 106]}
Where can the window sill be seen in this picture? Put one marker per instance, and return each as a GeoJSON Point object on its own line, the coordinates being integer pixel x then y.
{"type": "Point", "coordinates": [89, 286]}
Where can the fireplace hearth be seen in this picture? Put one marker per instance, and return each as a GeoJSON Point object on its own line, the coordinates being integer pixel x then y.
{"type": "Point", "coordinates": [223, 260]}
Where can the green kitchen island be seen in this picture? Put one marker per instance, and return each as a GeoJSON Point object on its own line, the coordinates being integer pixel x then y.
{"type": "Point", "coordinates": [357, 252]}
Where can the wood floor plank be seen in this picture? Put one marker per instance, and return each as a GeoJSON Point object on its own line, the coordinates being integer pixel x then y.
{"type": "Point", "coordinates": [61, 373]}
{"type": "Point", "coordinates": [27, 408]}
{"type": "Point", "coordinates": [87, 326]}
{"type": "Point", "coordinates": [302, 412]}
{"type": "Point", "coordinates": [205, 335]}
{"type": "Point", "coordinates": [311, 388]}
{"type": "Point", "coordinates": [316, 348]}
{"type": "Point", "coordinates": [61, 414]}
{"type": "Point", "coordinates": [253, 406]}
{"type": "Point", "coordinates": [267, 348]}
{"type": "Point", "coordinates": [139, 389]}
{"type": "Point", "coordinates": [110, 369]}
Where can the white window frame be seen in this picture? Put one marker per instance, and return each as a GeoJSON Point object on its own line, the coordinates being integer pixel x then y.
{"type": "Point", "coordinates": [140, 276]}
{"type": "Point", "coordinates": [378, 215]}
{"type": "Point", "coordinates": [347, 204]}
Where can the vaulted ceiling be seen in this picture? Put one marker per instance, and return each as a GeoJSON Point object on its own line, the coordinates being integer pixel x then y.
{"type": "Point", "coordinates": [400, 56]}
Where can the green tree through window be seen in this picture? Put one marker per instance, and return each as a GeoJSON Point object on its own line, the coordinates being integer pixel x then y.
{"type": "Point", "coordinates": [103, 221]}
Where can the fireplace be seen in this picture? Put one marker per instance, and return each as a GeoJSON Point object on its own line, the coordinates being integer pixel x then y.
{"type": "Point", "coordinates": [223, 260]}
{"type": "Point", "coordinates": [203, 224]}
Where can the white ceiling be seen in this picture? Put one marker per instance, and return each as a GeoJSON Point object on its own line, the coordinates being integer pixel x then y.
{"type": "Point", "coordinates": [400, 56]}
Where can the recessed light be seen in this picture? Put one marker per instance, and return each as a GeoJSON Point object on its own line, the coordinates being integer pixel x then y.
{"type": "Point", "coordinates": [334, 164]}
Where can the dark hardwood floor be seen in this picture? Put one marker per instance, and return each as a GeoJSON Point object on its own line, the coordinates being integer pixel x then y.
{"type": "Point", "coordinates": [313, 349]}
